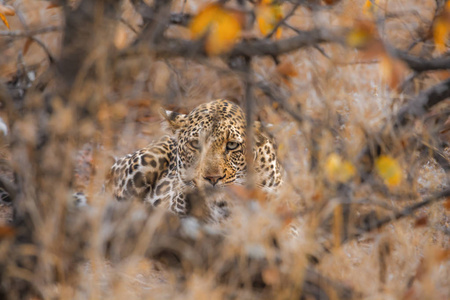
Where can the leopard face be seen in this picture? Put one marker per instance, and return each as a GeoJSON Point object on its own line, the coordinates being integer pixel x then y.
{"type": "Point", "coordinates": [207, 150]}
{"type": "Point", "coordinates": [211, 144]}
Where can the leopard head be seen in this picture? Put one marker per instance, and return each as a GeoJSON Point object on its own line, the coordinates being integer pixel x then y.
{"type": "Point", "coordinates": [211, 144]}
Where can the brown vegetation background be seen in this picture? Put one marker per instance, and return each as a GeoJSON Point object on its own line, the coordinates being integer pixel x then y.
{"type": "Point", "coordinates": [81, 82]}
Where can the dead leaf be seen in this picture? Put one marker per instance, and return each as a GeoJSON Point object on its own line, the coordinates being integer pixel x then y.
{"type": "Point", "coordinates": [53, 5]}
{"type": "Point", "coordinates": [7, 231]}
{"type": "Point", "coordinates": [443, 255]}
{"type": "Point", "coordinates": [447, 204]}
{"type": "Point", "coordinates": [421, 221]}
{"type": "Point", "coordinates": [331, 2]}
{"type": "Point", "coordinates": [287, 69]}
{"type": "Point", "coordinates": [247, 194]}
{"type": "Point", "coordinates": [393, 71]}
{"type": "Point", "coordinates": [7, 10]}
{"type": "Point", "coordinates": [271, 276]}
{"type": "Point", "coordinates": [120, 38]}
{"type": "Point", "coordinates": [27, 45]}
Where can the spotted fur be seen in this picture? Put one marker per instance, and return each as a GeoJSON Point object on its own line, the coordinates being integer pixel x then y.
{"type": "Point", "coordinates": [207, 149]}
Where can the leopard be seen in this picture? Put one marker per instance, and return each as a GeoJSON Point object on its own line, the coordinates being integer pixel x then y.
{"type": "Point", "coordinates": [206, 149]}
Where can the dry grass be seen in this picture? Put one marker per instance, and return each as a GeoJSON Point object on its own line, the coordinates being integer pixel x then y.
{"type": "Point", "coordinates": [115, 250]}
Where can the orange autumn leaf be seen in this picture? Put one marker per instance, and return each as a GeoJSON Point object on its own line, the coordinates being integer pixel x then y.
{"type": "Point", "coordinates": [220, 26]}
{"type": "Point", "coordinates": [6, 10]}
{"type": "Point", "coordinates": [268, 15]}
{"type": "Point", "coordinates": [441, 29]}
{"type": "Point", "coordinates": [370, 8]}
{"type": "Point", "coordinates": [3, 18]}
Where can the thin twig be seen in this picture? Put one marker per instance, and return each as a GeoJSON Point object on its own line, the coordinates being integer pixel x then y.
{"type": "Point", "coordinates": [423, 102]}
{"type": "Point", "coordinates": [407, 211]}
{"type": "Point", "coordinates": [283, 21]}
{"type": "Point", "coordinates": [45, 48]}
{"type": "Point", "coordinates": [31, 32]}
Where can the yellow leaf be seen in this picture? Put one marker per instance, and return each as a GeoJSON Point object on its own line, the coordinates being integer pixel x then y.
{"type": "Point", "coordinates": [4, 20]}
{"type": "Point", "coordinates": [220, 26]}
{"type": "Point", "coordinates": [268, 15]}
{"type": "Point", "coordinates": [361, 35]}
{"type": "Point", "coordinates": [338, 169]}
{"type": "Point", "coordinates": [389, 170]}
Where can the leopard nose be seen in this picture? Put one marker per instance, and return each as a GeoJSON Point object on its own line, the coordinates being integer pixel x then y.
{"type": "Point", "coordinates": [213, 179]}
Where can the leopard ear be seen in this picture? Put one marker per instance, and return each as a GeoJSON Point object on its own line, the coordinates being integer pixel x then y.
{"type": "Point", "coordinates": [174, 120]}
{"type": "Point", "coordinates": [260, 137]}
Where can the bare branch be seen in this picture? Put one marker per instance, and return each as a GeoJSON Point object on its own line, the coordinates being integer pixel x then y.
{"type": "Point", "coordinates": [180, 19]}
{"type": "Point", "coordinates": [282, 21]}
{"type": "Point", "coordinates": [31, 32]}
{"type": "Point", "coordinates": [423, 102]}
{"type": "Point", "coordinates": [191, 49]}
{"type": "Point", "coordinates": [419, 64]}
{"type": "Point", "coordinates": [408, 211]}
{"type": "Point", "coordinates": [302, 39]}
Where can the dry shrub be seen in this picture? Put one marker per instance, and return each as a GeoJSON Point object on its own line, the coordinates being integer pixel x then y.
{"type": "Point", "coordinates": [90, 90]}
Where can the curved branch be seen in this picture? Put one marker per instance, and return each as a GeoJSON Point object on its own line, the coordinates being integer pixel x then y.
{"type": "Point", "coordinates": [407, 211]}
{"type": "Point", "coordinates": [419, 64]}
{"type": "Point", "coordinates": [274, 48]}
{"type": "Point", "coordinates": [260, 47]}
{"type": "Point", "coordinates": [423, 102]}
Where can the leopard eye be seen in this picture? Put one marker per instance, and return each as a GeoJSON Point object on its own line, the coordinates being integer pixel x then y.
{"type": "Point", "coordinates": [195, 144]}
{"type": "Point", "coordinates": [232, 145]}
